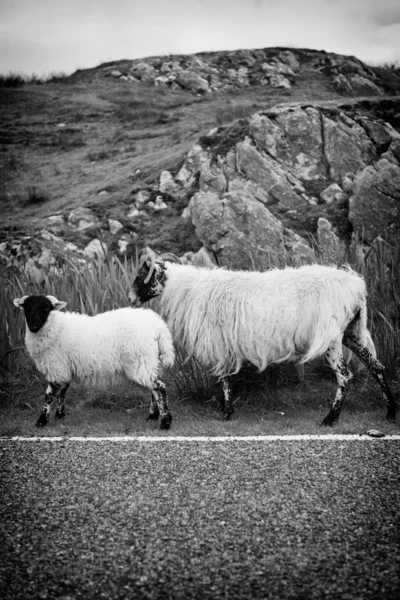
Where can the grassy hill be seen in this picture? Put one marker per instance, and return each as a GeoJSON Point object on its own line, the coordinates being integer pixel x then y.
{"type": "Point", "coordinates": [91, 139]}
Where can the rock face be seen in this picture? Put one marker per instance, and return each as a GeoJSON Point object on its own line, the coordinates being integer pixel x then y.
{"type": "Point", "coordinates": [267, 181]}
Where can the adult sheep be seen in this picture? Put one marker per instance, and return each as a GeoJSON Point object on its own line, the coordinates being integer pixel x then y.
{"type": "Point", "coordinates": [225, 318]}
{"type": "Point", "coordinates": [115, 346]}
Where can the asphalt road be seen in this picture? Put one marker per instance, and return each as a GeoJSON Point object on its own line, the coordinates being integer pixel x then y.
{"type": "Point", "coordinates": [299, 519]}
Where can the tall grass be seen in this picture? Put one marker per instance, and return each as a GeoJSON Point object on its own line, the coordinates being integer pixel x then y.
{"type": "Point", "coordinates": [89, 289]}
{"type": "Point", "coordinates": [100, 286]}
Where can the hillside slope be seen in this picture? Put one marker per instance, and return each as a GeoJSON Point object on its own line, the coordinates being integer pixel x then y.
{"type": "Point", "coordinates": [102, 137]}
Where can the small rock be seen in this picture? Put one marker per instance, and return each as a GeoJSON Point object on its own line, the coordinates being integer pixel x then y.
{"type": "Point", "coordinates": [160, 204]}
{"type": "Point", "coordinates": [114, 226]}
{"type": "Point", "coordinates": [96, 249]}
{"type": "Point", "coordinates": [132, 214]}
{"type": "Point", "coordinates": [82, 218]}
{"type": "Point", "coordinates": [55, 220]}
{"type": "Point", "coordinates": [347, 184]}
{"type": "Point", "coordinates": [374, 433]}
{"type": "Point", "coordinates": [331, 193]}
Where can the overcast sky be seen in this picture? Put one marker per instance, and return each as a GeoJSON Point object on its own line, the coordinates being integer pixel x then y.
{"type": "Point", "coordinates": [43, 36]}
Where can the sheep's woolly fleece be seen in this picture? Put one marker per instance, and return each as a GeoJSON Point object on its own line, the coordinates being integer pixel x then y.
{"type": "Point", "coordinates": [102, 350]}
{"type": "Point", "coordinates": [227, 317]}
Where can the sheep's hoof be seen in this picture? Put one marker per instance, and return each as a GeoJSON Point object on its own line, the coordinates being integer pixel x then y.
{"type": "Point", "coordinates": [153, 416]}
{"type": "Point", "coordinates": [42, 420]}
{"type": "Point", "coordinates": [60, 413]}
{"type": "Point", "coordinates": [227, 415]}
{"type": "Point", "coordinates": [329, 420]}
{"type": "Point", "coordinates": [166, 422]}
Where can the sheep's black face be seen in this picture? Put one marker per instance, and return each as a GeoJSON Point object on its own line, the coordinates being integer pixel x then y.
{"type": "Point", "coordinates": [37, 309]}
{"type": "Point", "coordinates": [142, 290]}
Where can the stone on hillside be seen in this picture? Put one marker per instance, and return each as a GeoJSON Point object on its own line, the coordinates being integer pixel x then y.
{"type": "Point", "coordinates": [96, 249]}
{"type": "Point", "coordinates": [332, 248]}
{"type": "Point", "coordinates": [342, 84]}
{"type": "Point", "coordinates": [380, 133]}
{"type": "Point", "coordinates": [240, 230]}
{"type": "Point", "coordinates": [159, 204]}
{"type": "Point", "coordinates": [82, 218]}
{"type": "Point", "coordinates": [143, 71]}
{"type": "Point", "coordinates": [133, 213]}
{"type": "Point", "coordinates": [279, 81]}
{"type": "Point", "coordinates": [288, 57]}
{"type": "Point", "coordinates": [55, 220]}
{"type": "Point", "coordinates": [347, 147]}
{"type": "Point", "coordinates": [363, 85]}
{"type": "Point", "coordinates": [116, 73]}
{"type": "Point", "coordinates": [141, 197]}
{"type": "Point", "coordinates": [347, 183]}
{"type": "Point", "coordinates": [202, 258]}
{"type": "Point", "coordinates": [269, 175]}
{"type": "Point", "coordinates": [114, 226]}
{"type": "Point", "coordinates": [375, 205]}
{"type": "Point", "coordinates": [294, 138]}
{"type": "Point", "coordinates": [332, 193]}
{"type": "Point", "coordinates": [192, 82]}
{"type": "Point", "coordinates": [169, 186]}
{"type": "Point", "coordinates": [297, 249]}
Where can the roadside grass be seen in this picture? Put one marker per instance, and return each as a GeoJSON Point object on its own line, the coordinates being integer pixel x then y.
{"type": "Point", "coordinates": [194, 394]}
{"type": "Point", "coordinates": [289, 407]}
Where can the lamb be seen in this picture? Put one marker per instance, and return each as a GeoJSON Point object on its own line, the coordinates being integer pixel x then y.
{"type": "Point", "coordinates": [123, 344]}
{"type": "Point", "coordinates": [225, 318]}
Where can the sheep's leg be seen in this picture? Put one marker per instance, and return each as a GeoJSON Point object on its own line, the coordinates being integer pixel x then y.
{"type": "Point", "coordinates": [343, 374]}
{"type": "Point", "coordinates": [373, 365]}
{"type": "Point", "coordinates": [227, 408]}
{"type": "Point", "coordinates": [51, 391]}
{"type": "Point", "coordinates": [154, 412]}
{"type": "Point", "coordinates": [60, 412]}
{"type": "Point", "coordinates": [159, 394]}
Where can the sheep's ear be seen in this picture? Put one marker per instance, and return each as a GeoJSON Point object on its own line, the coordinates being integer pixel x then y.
{"type": "Point", "coordinates": [57, 304]}
{"type": "Point", "coordinates": [19, 302]}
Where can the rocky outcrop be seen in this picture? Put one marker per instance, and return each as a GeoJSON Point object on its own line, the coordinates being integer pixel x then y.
{"type": "Point", "coordinates": [289, 185]}
{"type": "Point", "coordinates": [210, 72]}
{"type": "Point", "coordinates": [265, 184]}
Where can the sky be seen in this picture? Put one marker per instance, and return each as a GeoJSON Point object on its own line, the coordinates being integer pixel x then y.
{"type": "Point", "coordinates": [60, 36]}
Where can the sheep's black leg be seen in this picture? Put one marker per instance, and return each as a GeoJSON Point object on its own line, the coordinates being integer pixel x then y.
{"type": "Point", "coordinates": [51, 391]}
{"type": "Point", "coordinates": [373, 365]}
{"type": "Point", "coordinates": [343, 377]}
{"type": "Point", "coordinates": [227, 409]}
{"type": "Point", "coordinates": [154, 412]}
{"type": "Point", "coordinates": [159, 394]}
{"type": "Point", "coordinates": [60, 412]}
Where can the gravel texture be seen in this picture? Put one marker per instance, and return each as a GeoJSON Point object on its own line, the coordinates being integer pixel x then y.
{"type": "Point", "coordinates": [299, 519]}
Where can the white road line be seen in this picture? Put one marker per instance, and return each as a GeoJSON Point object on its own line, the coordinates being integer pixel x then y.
{"type": "Point", "coordinates": [220, 438]}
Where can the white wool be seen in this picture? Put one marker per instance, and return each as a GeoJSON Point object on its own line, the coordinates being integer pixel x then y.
{"type": "Point", "coordinates": [224, 318]}
{"type": "Point", "coordinates": [102, 350]}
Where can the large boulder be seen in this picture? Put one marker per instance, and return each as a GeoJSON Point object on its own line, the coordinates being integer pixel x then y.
{"type": "Point", "coordinates": [240, 230]}
{"type": "Point", "coordinates": [375, 205]}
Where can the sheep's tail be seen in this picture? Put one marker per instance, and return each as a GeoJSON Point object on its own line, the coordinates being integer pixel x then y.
{"type": "Point", "coordinates": [166, 348]}
{"type": "Point", "coordinates": [331, 328]}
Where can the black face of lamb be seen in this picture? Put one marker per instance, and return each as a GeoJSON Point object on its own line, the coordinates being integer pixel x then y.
{"type": "Point", "coordinates": [37, 309]}
{"type": "Point", "coordinates": [143, 292]}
